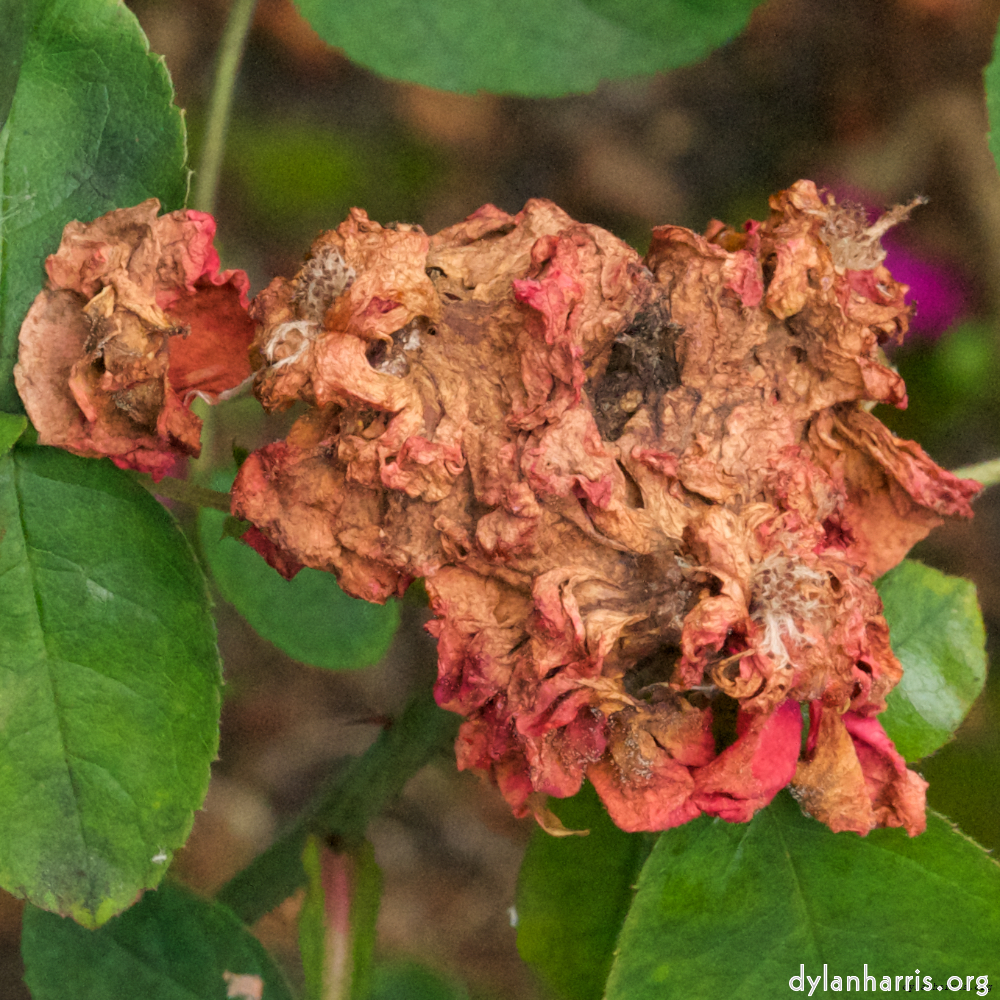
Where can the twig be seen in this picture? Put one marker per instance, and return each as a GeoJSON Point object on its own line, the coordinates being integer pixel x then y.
{"type": "Point", "coordinates": [184, 491]}
{"type": "Point", "coordinates": [230, 53]}
{"type": "Point", "coordinates": [987, 473]}
{"type": "Point", "coordinates": [343, 809]}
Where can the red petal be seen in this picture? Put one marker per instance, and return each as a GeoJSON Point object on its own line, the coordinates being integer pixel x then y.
{"type": "Point", "coordinates": [212, 357]}
{"type": "Point", "coordinates": [276, 558]}
{"type": "Point", "coordinates": [750, 772]}
{"type": "Point", "coordinates": [897, 794]}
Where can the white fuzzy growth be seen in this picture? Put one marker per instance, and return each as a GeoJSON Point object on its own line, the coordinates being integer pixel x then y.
{"type": "Point", "coordinates": [786, 593]}
{"type": "Point", "coordinates": [776, 628]}
{"type": "Point", "coordinates": [306, 331]}
{"type": "Point", "coordinates": [322, 279]}
{"type": "Point", "coordinates": [411, 340]}
{"type": "Point", "coordinates": [396, 364]}
{"type": "Point", "coordinates": [852, 242]}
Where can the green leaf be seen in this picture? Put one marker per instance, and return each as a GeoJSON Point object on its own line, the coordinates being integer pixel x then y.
{"type": "Point", "coordinates": [573, 894]}
{"type": "Point", "coordinates": [299, 174]}
{"type": "Point", "coordinates": [991, 79]}
{"type": "Point", "coordinates": [171, 946]}
{"type": "Point", "coordinates": [109, 685]}
{"type": "Point", "coordinates": [17, 17]}
{"type": "Point", "coordinates": [337, 953]}
{"type": "Point", "coordinates": [11, 428]}
{"type": "Point", "coordinates": [309, 617]}
{"type": "Point", "coordinates": [525, 47]}
{"type": "Point", "coordinates": [733, 910]}
{"type": "Point", "coordinates": [936, 630]}
{"type": "Point", "coordinates": [409, 981]}
{"type": "Point", "coordinates": [92, 127]}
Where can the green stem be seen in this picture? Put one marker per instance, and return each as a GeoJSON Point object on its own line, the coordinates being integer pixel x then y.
{"type": "Point", "coordinates": [342, 810]}
{"type": "Point", "coordinates": [184, 491]}
{"type": "Point", "coordinates": [230, 53]}
{"type": "Point", "coordinates": [987, 473]}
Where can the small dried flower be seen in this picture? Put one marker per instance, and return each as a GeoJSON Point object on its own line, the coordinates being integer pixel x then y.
{"type": "Point", "coordinates": [135, 322]}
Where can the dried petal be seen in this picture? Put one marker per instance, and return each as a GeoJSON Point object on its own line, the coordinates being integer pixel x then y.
{"type": "Point", "coordinates": [895, 492]}
{"type": "Point", "coordinates": [750, 772]}
{"type": "Point", "coordinates": [853, 778]}
{"type": "Point", "coordinates": [135, 322]}
{"type": "Point", "coordinates": [896, 793]}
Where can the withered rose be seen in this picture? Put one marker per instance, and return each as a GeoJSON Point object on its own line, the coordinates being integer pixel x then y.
{"type": "Point", "coordinates": [646, 495]}
{"type": "Point", "coordinates": [135, 321]}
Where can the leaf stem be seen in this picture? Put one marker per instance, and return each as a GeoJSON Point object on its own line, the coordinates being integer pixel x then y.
{"type": "Point", "coordinates": [184, 491]}
{"type": "Point", "coordinates": [230, 54]}
{"type": "Point", "coordinates": [987, 473]}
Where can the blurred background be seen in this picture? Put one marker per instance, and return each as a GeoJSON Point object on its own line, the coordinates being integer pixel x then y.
{"type": "Point", "coordinates": [879, 101]}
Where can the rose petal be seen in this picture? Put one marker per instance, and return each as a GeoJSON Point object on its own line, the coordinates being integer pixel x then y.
{"type": "Point", "coordinates": [897, 794]}
{"type": "Point", "coordinates": [750, 772]}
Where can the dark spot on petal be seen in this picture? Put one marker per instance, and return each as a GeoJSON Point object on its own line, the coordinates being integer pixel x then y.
{"type": "Point", "coordinates": [377, 353]}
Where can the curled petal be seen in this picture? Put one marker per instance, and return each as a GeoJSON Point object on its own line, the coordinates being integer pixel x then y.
{"type": "Point", "coordinates": [660, 799]}
{"type": "Point", "coordinates": [646, 780]}
{"type": "Point", "coordinates": [896, 793]}
{"type": "Point", "coordinates": [853, 778]}
{"type": "Point", "coordinates": [276, 558]}
{"type": "Point", "coordinates": [750, 772]}
{"type": "Point", "coordinates": [706, 630]}
{"type": "Point", "coordinates": [895, 493]}
{"type": "Point", "coordinates": [829, 783]}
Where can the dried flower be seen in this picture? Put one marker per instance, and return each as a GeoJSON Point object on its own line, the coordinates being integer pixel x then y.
{"type": "Point", "coordinates": [135, 322]}
{"type": "Point", "coordinates": [645, 495]}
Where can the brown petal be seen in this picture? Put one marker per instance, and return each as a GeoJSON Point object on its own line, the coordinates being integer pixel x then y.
{"type": "Point", "coordinates": [896, 793]}
{"type": "Point", "coordinates": [829, 784]}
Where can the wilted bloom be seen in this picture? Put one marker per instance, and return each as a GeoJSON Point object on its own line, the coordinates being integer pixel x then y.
{"type": "Point", "coordinates": [136, 321]}
{"type": "Point", "coordinates": [646, 495]}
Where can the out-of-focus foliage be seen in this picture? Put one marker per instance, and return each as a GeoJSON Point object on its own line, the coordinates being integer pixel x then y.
{"type": "Point", "coordinates": [952, 384]}
{"type": "Point", "coordinates": [292, 172]}
{"type": "Point", "coordinates": [523, 47]}
{"type": "Point", "coordinates": [936, 630]}
{"type": "Point", "coordinates": [309, 616]}
{"type": "Point", "coordinates": [991, 78]}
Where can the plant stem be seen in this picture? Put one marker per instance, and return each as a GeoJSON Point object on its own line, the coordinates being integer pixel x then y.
{"type": "Point", "coordinates": [230, 53]}
{"type": "Point", "coordinates": [987, 473]}
{"type": "Point", "coordinates": [342, 810]}
{"type": "Point", "coordinates": [337, 869]}
{"type": "Point", "coordinates": [184, 491]}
